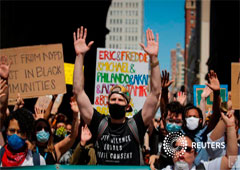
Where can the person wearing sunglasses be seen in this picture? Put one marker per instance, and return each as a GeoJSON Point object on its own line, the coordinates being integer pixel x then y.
{"type": "Point", "coordinates": [19, 125]}
{"type": "Point", "coordinates": [185, 151]}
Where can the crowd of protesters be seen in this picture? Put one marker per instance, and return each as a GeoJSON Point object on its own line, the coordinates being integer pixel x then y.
{"type": "Point", "coordinates": [183, 137]}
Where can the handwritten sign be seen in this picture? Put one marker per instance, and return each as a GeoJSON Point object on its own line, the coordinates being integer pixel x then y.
{"type": "Point", "coordinates": [43, 102]}
{"type": "Point", "coordinates": [235, 85]}
{"type": "Point", "coordinates": [35, 71]}
{"type": "Point", "coordinates": [198, 89]}
{"type": "Point", "coordinates": [125, 67]}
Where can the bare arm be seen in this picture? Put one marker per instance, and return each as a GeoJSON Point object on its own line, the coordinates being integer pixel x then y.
{"type": "Point", "coordinates": [215, 86]}
{"type": "Point", "coordinates": [150, 104]}
{"type": "Point", "coordinates": [164, 96]}
{"type": "Point", "coordinates": [218, 131]}
{"type": "Point", "coordinates": [49, 108]}
{"type": "Point", "coordinates": [232, 148]}
{"type": "Point", "coordinates": [4, 73]}
{"type": "Point", "coordinates": [206, 92]}
{"type": "Point", "coordinates": [65, 144]}
{"type": "Point", "coordinates": [83, 101]}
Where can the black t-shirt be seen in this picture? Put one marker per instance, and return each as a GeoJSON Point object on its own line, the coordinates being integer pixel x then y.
{"type": "Point", "coordinates": [117, 145]}
{"type": "Point", "coordinates": [156, 145]}
{"type": "Point", "coordinates": [47, 156]}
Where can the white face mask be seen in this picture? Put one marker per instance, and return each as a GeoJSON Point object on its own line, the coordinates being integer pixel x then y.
{"type": "Point", "coordinates": [192, 123]}
{"type": "Point", "coordinates": [181, 165]}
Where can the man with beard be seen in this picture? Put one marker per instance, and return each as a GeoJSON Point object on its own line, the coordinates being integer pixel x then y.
{"type": "Point", "coordinates": [117, 145]}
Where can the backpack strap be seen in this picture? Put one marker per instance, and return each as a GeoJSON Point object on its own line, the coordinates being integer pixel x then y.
{"type": "Point", "coordinates": [1, 154]}
{"type": "Point", "coordinates": [200, 167]}
{"type": "Point", "coordinates": [36, 158]}
{"type": "Point", "coordinates": [102, 126]}
{"type": "Point", "coordinates": [133, 128]}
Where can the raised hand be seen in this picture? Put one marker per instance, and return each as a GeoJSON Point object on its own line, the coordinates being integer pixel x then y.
{"type": "Point", "coordinates": [181, 98]}
{"type": "Point", "coordinates": [80, 41]}
{"type": "Point", "coordinates": [86, 135]}
{"type": "Point", "coordinates": [214, 82]}
{"type": "Point", "coordinates": [206, 92]}
{"type": "Point", "coordinates": [165, 79]}
{"type": "Point", "coordinates": [3, 87]}
{"type": "Point", "coordinates": [152, 46]}
{"type": "Point", "coordinates": [229, 118]}
{"type": "Point", "coordinates": [4, 67]}
{"type": "Point", "coordinates": [74, 105]}
{"type": "Point", "coordinates": [39, 113]}
{"type": "Point", "coordinates": [20, 102]}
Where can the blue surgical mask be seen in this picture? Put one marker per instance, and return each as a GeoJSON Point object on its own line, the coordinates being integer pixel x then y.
{"type": "Point", "coordinates": [42, 136]}
{"type": "Point", "coordinates": [172, 127]}
{"type": "Point", "coordinates": [15, 142]}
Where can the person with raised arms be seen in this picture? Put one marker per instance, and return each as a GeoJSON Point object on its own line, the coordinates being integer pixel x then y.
{"type": "Point", "coordinates": [117, 138]}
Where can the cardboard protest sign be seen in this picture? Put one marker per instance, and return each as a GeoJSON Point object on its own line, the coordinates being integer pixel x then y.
{"type": "Point", "coordinates": [198, 89]}
{"type": "Point", "coordinates": [43, 102]}
{"type": "Point", "coordinates": [35, 71]}
{"type": "Point", "coordinates": [57, 103]}
{"type": "Point", "coordinates": [125, 67]}
{"type": "Point", "coordinates": [235, 85]}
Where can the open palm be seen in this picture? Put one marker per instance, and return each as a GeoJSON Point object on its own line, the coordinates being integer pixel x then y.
{"type": "Point", "coordinates": [4, 67]}
{"type": "Point", "coordinates": [152, 46]}
{"type": "Point", "coordinates": [214, 82]}
{"type": "Point", "coordinates": [80, 41]}
{"type": "Point", "coordinates": [86, 134]}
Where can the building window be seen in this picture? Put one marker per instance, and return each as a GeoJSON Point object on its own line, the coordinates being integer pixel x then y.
{"type": "Point", "coordinates": [192, 12]}
{"type": "Point", "coordinates": [192, 3]}
{"type": "Point", "coordinates": [192, 21]}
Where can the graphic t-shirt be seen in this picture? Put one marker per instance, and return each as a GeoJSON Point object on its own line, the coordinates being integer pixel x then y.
{"type": "Point", "coordinates": [117, 145]}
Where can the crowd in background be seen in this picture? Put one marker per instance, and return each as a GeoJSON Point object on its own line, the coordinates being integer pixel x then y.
{"type": "Point", "coordinates": [211, 137]}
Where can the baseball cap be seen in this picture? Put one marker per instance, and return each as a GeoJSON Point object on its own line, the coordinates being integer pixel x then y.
{"type": "Point", "coordinates": [119, 89]}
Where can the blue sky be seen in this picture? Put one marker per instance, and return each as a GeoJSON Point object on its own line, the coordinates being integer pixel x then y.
{"type": "Point", "coordinates": [165, 17]}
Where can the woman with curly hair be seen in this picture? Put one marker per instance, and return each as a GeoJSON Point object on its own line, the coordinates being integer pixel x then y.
{"type": "Point", "coordinates": [19, 126]}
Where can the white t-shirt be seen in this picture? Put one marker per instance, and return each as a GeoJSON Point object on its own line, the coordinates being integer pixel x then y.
{"type": "Point", "coordinates": [209, 165]}
{"type": "Point", "coordinates": [29, 159]}
{"type": "Point", "coordinates": [215, 152]}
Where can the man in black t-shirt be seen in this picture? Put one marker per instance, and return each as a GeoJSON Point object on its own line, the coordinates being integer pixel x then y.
{"type": "Point", "coordinates": [116, 145]}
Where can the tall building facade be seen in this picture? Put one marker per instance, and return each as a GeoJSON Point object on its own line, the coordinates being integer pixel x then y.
{"type": "Point", "coordinates": [190, 23]}
{"type": "Point", "coordinates": [125, 22]}
{"type": "Point", "coordinates": [177, 66]}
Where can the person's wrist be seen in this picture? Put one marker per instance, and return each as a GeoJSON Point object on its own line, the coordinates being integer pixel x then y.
{"type": "Point", "coordinates": [154, 64]}
{"type": "Point", "coordinates": [82, 143]}
{"type": "Point", "coordinates": [230, 125]}
{"type": "Point", "coordinates": [165, 89]}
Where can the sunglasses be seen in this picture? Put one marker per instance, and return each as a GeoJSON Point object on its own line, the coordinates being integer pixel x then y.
{"type": "Point", "coordinates": [186, 148]}
{"type": "Point", "coordinates": [174, 120]}
{"type": "Point", "coordinates": [39, 128]}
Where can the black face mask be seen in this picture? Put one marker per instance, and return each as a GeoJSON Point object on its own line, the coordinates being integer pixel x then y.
{"type": "Point", "coordinates": [117, 111]}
